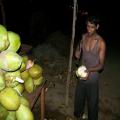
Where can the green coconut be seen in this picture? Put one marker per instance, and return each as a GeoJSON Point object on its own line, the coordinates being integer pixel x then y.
{"type": "Point", "coordinates": [24, 101]}
{"type": "Point", "coordinates": [14, 40]}
{"type": "Point", "coordinates": [23, 67]}
{"type": "Point", "coordinates": [3, 113]}
{"type": "Point", "coordinates": [38, 81]}
{"type": "Point", "coordinates": [29, 85]}
{"type": "Point", "coordinates": [24, 113]}
{"type": "Point", "coordinates": [24, 58]}
{"type": "Point", "coordinates": [19, 88]}
{"type": "Point", "coordinates": [10, 61]}
{"type": "Point", "coordinates": [2, 82]}
{"type": "Point", "coordinates": [10, 78]}
{"type": "Point", "coordinates": [11, 115]}
{"type": "Point", "coordinates": [9, 99]}
{"type": "Point", "coordinates": [25, 75]}
{"type": "Point", "coordinates": [35, 71]}
{"type": "Point", "coordinates": [24, 63]}
{"type": "Point", "coordinates": [4, 42]}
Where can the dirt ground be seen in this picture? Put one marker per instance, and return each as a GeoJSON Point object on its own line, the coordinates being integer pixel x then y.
{"type": "Point", "coordinates": [55, 72]}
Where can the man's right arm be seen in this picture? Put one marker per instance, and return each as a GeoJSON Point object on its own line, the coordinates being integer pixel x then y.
{"type": "Point", "coordinates": [79, 48]}
{"type": "Point", "coordinates": [78, 51]}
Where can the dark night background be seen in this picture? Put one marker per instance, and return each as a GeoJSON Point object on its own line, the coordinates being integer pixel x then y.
{"type": "Point", "coordinates": [34, 20]}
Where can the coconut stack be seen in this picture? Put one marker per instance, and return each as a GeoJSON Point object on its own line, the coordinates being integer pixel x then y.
{"type": "Point", "coordinates": [18, 74]}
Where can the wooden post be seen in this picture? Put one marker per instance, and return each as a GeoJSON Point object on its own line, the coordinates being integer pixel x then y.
{"type": "Point", "coordinates": [3, 13]}
{"type": "Point", "coordinates": [71, 53]}
{"type": "Point", "coordinates": [33, 97]}
{"type": "Point", "coordinates": [42, 105]}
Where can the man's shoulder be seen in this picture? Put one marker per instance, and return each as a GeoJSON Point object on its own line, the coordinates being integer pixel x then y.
{"type": "Point", "coordinates": [99, 37]}
{"type": "Point", "coordinates": [101, 40]}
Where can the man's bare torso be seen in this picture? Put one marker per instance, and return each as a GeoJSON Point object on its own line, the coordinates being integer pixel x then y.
{"type": "Point", "coordinates": [90, 41]}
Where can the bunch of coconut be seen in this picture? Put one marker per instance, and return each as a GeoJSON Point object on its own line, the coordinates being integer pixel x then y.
{"type": "Point", "coordinates": [31, 73]}
{"type": "Point", "coordinates": [17, 75]}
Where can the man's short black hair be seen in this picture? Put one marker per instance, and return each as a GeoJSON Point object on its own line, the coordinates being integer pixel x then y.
{"type": "Point", "coordinates": [93, 20]}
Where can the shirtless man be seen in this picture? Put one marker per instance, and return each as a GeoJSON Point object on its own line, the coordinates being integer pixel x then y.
{"type": "Point", "coordinates": [92, 50]}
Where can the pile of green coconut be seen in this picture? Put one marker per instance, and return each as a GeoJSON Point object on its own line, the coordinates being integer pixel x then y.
{"type": "Point", "coordinates": [18, 74]}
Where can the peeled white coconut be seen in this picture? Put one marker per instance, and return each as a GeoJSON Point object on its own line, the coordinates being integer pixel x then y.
{"type": "Point", "coordinates": [81, 71]}
{"type": "Point", "coordinates": [84, 74]}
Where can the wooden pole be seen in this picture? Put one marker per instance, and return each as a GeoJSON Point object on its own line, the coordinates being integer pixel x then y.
{"type": "Point", "coordinates": [71, 52]}
{"type": "Point", "coordinates": [3, 13]}
{"type": "Point", "coordinates": [42, 104]}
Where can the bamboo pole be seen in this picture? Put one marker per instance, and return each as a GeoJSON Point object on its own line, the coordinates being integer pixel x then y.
{"type": "Point", "coordinates": [71, 52]}
{"type": "Point", "coordinates": [3, 13]}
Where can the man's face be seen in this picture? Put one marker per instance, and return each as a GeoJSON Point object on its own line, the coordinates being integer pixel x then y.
{"type": "Point", "coordinates": [91, 28]}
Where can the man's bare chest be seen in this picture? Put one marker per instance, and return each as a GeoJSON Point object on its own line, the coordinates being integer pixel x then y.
{"type": "Point", "coordinates": [90, 43]}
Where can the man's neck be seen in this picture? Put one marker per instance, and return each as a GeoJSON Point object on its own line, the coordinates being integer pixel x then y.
{"type": "Point", "coordinates": [92, 34]}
